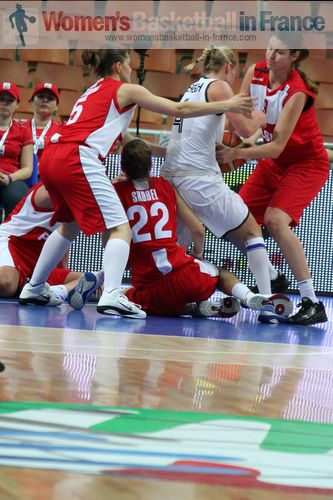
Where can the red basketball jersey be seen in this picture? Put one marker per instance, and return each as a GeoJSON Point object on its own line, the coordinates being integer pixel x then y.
{"type": "Point", "coordinates": [305, 142]}
{"type": "Point", "coordinates": [18, 137]}
{"type": "Point", "coordinates": [27, 228]}
{"type": "Point", "coordinates": [96, 119]}
{"type": "Point", "coordinates": [151, 211]}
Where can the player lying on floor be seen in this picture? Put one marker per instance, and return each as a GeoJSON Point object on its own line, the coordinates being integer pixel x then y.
{"type": "Point", "coordinates": [22, 237]}
{"type": "Point", "coordinates": [165, 280]}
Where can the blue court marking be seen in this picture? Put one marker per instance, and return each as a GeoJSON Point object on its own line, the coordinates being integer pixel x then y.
{"type": "Point", "coordinates": [109, 449]}
{"type": "Point", "coordinates": [170, 468]}
{"type": "Point", "coordinates": [243, 327]}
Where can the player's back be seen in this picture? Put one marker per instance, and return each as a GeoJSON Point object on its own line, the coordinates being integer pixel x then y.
{"type": "Point", "coordinates": [27, 221]}
{"type": "Point", "coordinates": [151, 209]}
{"type": "Point", "coordinates": [192, 142]}
{"type": "Point", "coordinates": [96, 119]}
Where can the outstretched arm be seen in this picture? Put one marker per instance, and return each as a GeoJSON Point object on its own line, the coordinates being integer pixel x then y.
{"type": "Point", "coordinates": [282, 132]}
{"type": "Point", "coordinates": [242, 125]}
{"type": "Point", "coordinates": [156, 149]}
{"type": "Point", "coordinates": [135, 94]}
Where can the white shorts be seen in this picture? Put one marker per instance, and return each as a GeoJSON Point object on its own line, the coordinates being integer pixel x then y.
{"type": "Point", "coordinates": [219, 208]}
{"type": "Point", "coordinates": [5, 256]}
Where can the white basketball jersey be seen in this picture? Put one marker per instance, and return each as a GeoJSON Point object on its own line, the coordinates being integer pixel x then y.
{"type": "Point", "coordinates": [191, 149]}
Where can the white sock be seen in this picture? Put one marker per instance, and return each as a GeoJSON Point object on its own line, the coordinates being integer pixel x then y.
{"type": "Point", "coordinates": [60, 291]}
{"type": "Point", "coordinates": [273, 273]}
{"type": "Point", "coordinates": [241, 292]}
{"type": "Point", "coordinates": [53, 251]}
{"type": "Point", "coordinates": [115, 260]}
{"type": "Point", "coordinates": [306, 289]}
{"type": "Point", "coordinates": [258, 263]}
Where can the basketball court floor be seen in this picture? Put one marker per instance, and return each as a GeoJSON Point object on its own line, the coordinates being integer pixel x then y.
{"type": "Point", "coordinates": [95, 407]}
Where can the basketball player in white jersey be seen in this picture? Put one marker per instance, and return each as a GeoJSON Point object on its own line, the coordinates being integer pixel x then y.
{"type": "Point", "coordinates": [22, 237]}
{"type": "Point", "coordinates": [192, 167]}
{"type": "Point", "coordinates": [72, 171]}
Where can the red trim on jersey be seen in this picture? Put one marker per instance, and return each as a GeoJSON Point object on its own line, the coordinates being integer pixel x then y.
{"type": "Point", "coordinates": [305, 142]}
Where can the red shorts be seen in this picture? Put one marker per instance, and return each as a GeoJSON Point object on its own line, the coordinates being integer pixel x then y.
{"type": "Point", "coordinates": [25, 262]}
{"type": "Point", "coordinates": [290, 188]}
{"type": "Point", "coordinates": [169, 295]}
{"type": "Point", "coordinates": [57, 277]}
{"type": "Point", "coordinates": [79, 188]}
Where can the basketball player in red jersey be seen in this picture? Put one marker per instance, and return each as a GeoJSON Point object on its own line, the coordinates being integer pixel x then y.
{"type": "Point", "coordinates": [22, 237]}
{"type": "Point", "coordinates": [74, 175]}
{"type": "Point", "coordinates": [165, 280]}
{"type": "Point", "coordinates": [293, 164]}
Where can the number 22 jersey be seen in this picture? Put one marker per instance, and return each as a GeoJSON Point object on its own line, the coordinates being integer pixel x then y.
{"type": "Point", "coordinates": [151, 210]}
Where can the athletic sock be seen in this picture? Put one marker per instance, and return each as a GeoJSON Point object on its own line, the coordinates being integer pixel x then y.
{"type": "Point", "coordinates": [241, 292]}
{"type": "Point", "coordinates": [306, 289]}
{"type": "Point", "coordinates": [258, 263]}
{"type": "Point", "coordinates": [115, 260]}
{"type": "Point", "coordinates": [273, 273]}
{"type": "Point", "coordinates": [53, 251]}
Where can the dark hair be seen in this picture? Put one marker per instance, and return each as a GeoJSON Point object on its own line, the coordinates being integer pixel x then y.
{"type": "Point", "coordinates": [294, 39]}
{"type": "Point", "coordinates": [103, 60]}
{"type": "Point", "coordinates": [136, 159]}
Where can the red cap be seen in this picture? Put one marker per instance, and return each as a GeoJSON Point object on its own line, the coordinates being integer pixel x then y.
{"type": "Point", "coordinates": [11, 89]}
{"type": "Point", "coordinates": [48, 86]}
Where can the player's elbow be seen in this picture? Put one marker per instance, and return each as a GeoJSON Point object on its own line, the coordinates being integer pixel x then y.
{"type": "Point", "coordinates": [198, 232]}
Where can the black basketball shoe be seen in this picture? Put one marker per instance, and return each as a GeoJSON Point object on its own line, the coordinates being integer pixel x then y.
{"type": "Point", "coordinates": [279, 285]}
{"type": "Point", "coordinates": [310, 313]}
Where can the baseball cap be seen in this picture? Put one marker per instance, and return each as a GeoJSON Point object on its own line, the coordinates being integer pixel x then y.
{"type": "Point", "coordinates": [48, 86]}
{"type": "Point", "coordinates": [11, 89]}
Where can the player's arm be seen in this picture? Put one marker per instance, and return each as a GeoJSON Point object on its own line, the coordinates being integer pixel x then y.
{"type": "Point", "coordinates": [155, 148]}
{"type": "Point", "coordinates": [136, 94]}
{"type": "Point", "coordinates": [192, 222]}
{"type": "Point", "coordinates": [243, 126]}
{"type": "Point", "coordinates": [26, 162]}
{"type": "Point", "coordinates": [281, 135]}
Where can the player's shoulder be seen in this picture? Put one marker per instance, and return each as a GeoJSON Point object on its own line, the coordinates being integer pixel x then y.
{"type": "Point", "coordinates": [160, 182]}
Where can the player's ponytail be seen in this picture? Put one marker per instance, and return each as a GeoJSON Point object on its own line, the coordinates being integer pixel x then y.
{"type": "Point", "coordinates": [103, 60]}
{"type": "Point", "coordinates": [311, 84]}
{"type": "Point", "coordinates": [214, 58]}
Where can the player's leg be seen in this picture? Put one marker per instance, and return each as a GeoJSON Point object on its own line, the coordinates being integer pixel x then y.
{"type": "Point", "coordinates": [37, 291]}
{"type": "Point", "coordinates": [9, 281]}
{"type": "Point", "coordinates": [250, 234]}
{"type": "Point", "coordinates": [116, 252]}
{"type": "Point", "coordinates": [276, 307]}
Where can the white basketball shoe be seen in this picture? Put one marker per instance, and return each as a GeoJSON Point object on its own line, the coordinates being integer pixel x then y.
{"type": "Point", "coordinates": [40, 295]}
{"type": "Point", "coordinates": [115, 303]}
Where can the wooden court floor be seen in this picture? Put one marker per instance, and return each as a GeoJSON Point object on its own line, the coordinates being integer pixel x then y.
{"type": "Point", "coordinates": [94, 407]}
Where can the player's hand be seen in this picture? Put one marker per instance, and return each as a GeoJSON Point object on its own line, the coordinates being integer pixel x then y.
{"type": "Point", "coordinates": [196, 255]}
{"type": "Point", "coordinates": [241, 103]}
{"type": "Point", "coordinates": [4, 179]}
{"type": "Point", "coordinates": [218, 153]}
{"type": "Point", "coordinates": [119, 178]}
{"type": "Point", "coordinates": [226, 154]}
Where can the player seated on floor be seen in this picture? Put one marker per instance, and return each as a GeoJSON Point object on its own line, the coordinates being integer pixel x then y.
{"type": "Point", "coordinates": [22, 237]}
{"type": "Point", "coordinates": [165, 280]}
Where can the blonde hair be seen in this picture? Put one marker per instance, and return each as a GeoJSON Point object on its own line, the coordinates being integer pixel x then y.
{"type": "Point", "coordinates": [214, 58]}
